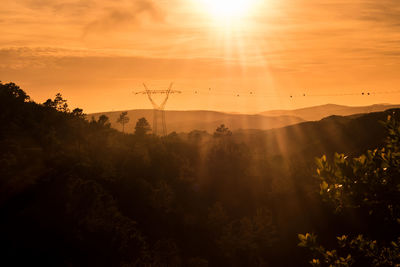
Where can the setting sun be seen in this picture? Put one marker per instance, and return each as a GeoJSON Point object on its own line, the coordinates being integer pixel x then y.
{"type": "Point", "coordinates": [228, 10]}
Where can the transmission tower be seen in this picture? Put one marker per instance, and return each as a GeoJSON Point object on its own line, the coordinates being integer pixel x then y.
{"type": "Point", "coordinates": [159, 110]}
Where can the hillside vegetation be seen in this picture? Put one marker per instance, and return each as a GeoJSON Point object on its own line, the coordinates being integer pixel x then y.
{"type": "Point", "coordinates": [186, 121]}
{"type": "Point", "coordinates": [76, 192]}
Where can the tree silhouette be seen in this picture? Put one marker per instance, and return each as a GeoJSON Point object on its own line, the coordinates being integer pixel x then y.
{"type": "Point", "coordinates": [123, 119]}
{"type": "Point", "coordinates": [12, 91]}
{"type": "Point", "coordinates": [142, 127]}
{"type": "Point", "coordinates": [222, 131]}
{"type": "Point", "coordinates": [78, 112]}
{"type": "Point", "coordinates": [104, 121]}
{"type": "Point", "coordinates": [59, 103]}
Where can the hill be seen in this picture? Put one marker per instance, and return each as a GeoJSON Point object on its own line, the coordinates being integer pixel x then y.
{"type": "Point", "coordinates": [186, 121]}
{"type": "Point", "coordinates": [319, 112]}
{"type": "Point", "coordinates": [78, 193]}
{"type": "Point", "coordinates": [343, 134]}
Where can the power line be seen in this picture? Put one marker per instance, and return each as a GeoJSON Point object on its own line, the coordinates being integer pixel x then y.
{"type": "Point", "coordinates": [241, 93]}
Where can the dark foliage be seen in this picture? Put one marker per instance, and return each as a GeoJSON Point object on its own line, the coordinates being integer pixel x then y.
{"type": "Point", "coordinates": [79, 193]}
{"type": "Point", "coordinates": [142, 127]}
{"type": "Point", "coordinates": [367, 187]}
{"type": "Point", "coordinates": [123, 119]}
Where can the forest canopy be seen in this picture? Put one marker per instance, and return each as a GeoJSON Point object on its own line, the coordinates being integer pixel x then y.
{"type": "Point", "coordinates": [74, 191]}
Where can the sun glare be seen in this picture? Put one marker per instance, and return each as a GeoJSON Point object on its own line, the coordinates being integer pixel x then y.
{"type": "Point", "coordinates": [228, 10]}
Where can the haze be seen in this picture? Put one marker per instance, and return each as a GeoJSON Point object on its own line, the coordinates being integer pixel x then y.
{"type": "Point", "coordinates": [276, 55]}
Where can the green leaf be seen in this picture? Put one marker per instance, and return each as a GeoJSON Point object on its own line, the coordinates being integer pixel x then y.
{"type": "Point", "coordinates": [324, 185]}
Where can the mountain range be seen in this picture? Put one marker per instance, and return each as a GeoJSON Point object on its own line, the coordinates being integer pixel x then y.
{"type": "Point", "coordinates": [186, 121]}
{"type": "Point", "coordinates": [316, 113]}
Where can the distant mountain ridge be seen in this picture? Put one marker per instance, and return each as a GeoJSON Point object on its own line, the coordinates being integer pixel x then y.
{"type": "Point", "coordinates": [186, 121]}
{"type": "Point", "coordinates": [310, 139]}
{"type": "Point", "coordinates": [205, 120]}
{"type": "Point", "coordinates": [319, 112]}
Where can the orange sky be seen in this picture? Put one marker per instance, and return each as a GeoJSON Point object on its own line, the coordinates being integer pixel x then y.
{"type": "Point", "coordinates": [96, 52]}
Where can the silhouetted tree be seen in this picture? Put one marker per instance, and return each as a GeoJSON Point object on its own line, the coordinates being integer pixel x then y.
{"type": "Point", "coordinates": [49, 103]}
{"type": "Point", "coordinates": [123, 119]}
{"type": "Point", "coordinates": [11, 90]}
{"type": "Point", "coordinates": [222, 131]}
{"type": "Point", "coordinates": [78, 112]}
{"type": "Point", "coordinates": [142, 127]}
{"type": "Point", "coordinates": [104, 121]}
{"type": "Point", "coordinates": [59, 103]}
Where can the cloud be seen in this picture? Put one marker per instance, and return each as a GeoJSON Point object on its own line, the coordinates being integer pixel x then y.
{"type": "Point", "coordinates": [96, 16]}
{"type": "Point", "coordinates": [71, 7]}
{"type": "Point", "coordinates": [385, 12]}
{"type": "Point", "coordinates": [124, 14]}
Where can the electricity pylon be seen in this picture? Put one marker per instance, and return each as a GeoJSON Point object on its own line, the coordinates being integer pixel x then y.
{"type": "Point", "coordinates": [159, 110]}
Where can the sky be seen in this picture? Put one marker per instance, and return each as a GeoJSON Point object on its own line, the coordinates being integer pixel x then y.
{"type": "Point", "coordinates": [237, 56]}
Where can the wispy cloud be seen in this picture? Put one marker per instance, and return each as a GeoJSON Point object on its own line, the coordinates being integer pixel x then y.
{"type": "Point", "coordinates": [383, 12]}
{"type": "Point", "coordinates": [123, 14]}
{"type": "Point", "coordinates": [69, 7]}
